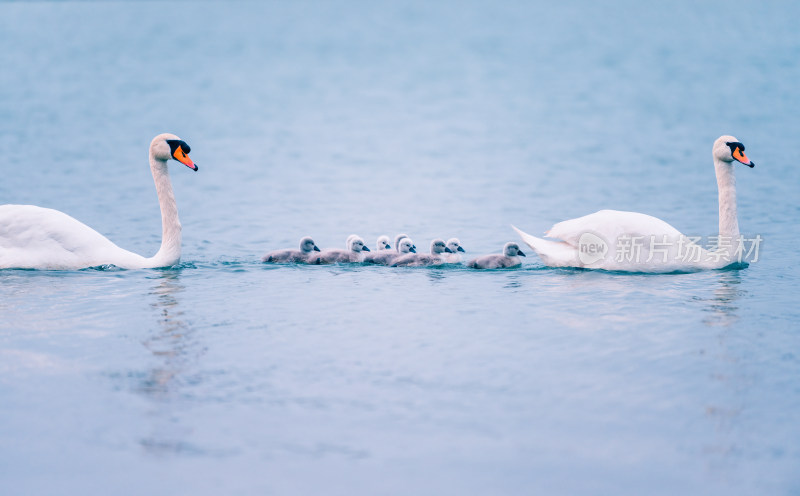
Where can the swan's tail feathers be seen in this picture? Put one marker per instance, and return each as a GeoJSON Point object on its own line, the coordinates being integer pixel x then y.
{"type": "Point", "coordinates": [552, 253]}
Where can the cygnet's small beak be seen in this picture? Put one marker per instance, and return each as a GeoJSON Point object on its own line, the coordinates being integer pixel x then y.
{"type": "Point", "coordinates": [316, 248]}
{"type": "Point", "coordinates": [520, 253]}
{"type": "Point", "coordinates": [366, 248]}
{"type": "Point", "coordinates": [413, 249]}
{"type": "Point", "coordinates": [739, 155]}
{"type": "Point", "coordinates": [448, 250]}
{"type": "Point", "coordinates": [460, 249]}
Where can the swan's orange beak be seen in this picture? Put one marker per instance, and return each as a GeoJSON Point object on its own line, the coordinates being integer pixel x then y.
{"type": "Point", "coordinates": [739, 155]}
{"type": "Point", "coordinates": [181, 157]}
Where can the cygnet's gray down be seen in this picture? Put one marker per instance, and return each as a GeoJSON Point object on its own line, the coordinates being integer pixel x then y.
{"type": "Point", "coordinates": [354, 253]}
{"type": "Point", "coordinates": [423, 259]}
{"type": "Point", "coordinates": [509, 258]}
{"type": "Point", "coordinates": [456, 250]}
{"type": "Point", "coordinates": [384, 243]}
{"type": "Point", "coordinates": [386, 257]}
{"type": "Point", "coordinates": [307, 246]}
{"type": "Point", "coordinates": [399, 238]}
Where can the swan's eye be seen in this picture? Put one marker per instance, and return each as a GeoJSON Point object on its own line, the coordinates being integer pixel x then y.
{"type": "Point", "coordinates": [733, 145]}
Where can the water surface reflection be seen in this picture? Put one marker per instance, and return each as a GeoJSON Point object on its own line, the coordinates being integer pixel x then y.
{"type": "Point", "coordinates": [175, 349]}
{"type": "Point", "coordinates": [722, 306]}
{"type": "Point", "coordinates": [729, 376]}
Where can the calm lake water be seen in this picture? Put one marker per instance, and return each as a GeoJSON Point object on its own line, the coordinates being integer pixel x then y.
{"type": "Point", "coordinates": [226, 376]}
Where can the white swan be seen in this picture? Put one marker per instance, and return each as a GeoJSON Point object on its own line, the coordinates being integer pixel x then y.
{"type": "Point", "coordinates": [307, 246]}
{"type": "Point", "coordinates": [635, 242]}
{"type": "Point", "coordinates": [386, 257]}
{"type": "Point", "coordinates": [454, 244]}
{"type": "Point", "coordinates": [435, 257]}
{"type": "Point", "coordinates": [354, 253]}
{"type": "Point", "coordinates": [34, 237]}
{"type": "Point", "coordinates": [509, 258]}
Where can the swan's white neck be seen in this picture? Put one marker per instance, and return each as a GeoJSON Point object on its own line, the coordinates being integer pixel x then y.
{"type": "Point", "coordinates": [726, 183]}
{"type": "Point", "coordinates": [728, 220]}
{"type": "Point", "coordinates": [170, 251]}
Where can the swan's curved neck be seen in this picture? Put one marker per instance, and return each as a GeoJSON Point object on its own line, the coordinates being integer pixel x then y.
{"type": "Point", "coordinates": [726, 184]}
{"type": "Point", "coordinates": [170, 251]}
{"type": "Point", "coordinates": [728, 220]}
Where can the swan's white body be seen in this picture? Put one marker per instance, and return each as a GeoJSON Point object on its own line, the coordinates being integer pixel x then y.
{"type": "Point", "coordinates": [636, 242]}
{"type": "Point", "coordinates": [34, 237]}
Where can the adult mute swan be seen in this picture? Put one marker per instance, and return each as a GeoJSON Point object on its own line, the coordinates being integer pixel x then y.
{"type": "Point", "coordinates": [635, 242]}
{"type": "Point", "coordinates": [34, 237]}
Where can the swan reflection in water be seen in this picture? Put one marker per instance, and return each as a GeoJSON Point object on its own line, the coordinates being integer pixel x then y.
{"type": "Point", "coordinates": [728, 372]}
{"type": "Point", "coordinates": [175, 349]}
{"type": "Point", "coordinates": [171, 339]}
{"type": "Point", "coordinates": [722, 306]}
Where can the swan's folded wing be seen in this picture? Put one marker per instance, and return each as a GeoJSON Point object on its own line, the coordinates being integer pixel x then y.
{"type": "Point", "coordinates": [43, 238]}
{"type": "Point", "coordinates": [609, 225]}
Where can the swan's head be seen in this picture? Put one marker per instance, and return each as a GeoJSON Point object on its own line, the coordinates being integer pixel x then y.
{"type": "Point", "coordinates": [166, 146]}
{"type": "Point", "coordinates": [455, 245]}
{"type": "Point", "coordinates": [512, 250]}
{"type": "Point", "coordinates": [356, 244]}
{"type": "Point", "coordinates": [307, 245]}
{"type": "Point", "coordinates": [728, 149]}
{"type": "Point", "coordinates": [438, 247]}
{"type": "Point", "coordinates": [406, 246]}
{"type": "Point", "coordinates": [384, 243]}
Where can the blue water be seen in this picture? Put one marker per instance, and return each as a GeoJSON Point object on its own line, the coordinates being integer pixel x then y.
{"type": "Point", "coordinates": [225, 376]}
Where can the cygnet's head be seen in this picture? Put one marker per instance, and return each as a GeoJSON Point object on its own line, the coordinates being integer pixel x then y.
{"type": "Point", "coordinates": [397, 240]}
{"type": "Point", "coordinates": [406, 246]}
{"type": "Point", "coordinates": [512, 250]}
{"type": "Point", "coordinates": [455, 245]}
{"type": "Point", "coordinates": [356, 244]}
{"type": "Point", "coordinates": [438, 247]}
{"type": "Point", "coordinates": [307, 245]}
{"type": "Point", "coordinates": [166, 146]}
{"type": "Point", "coordinates": [384, 243]}
{"type": "Point", "coordinates": [728, 149]}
